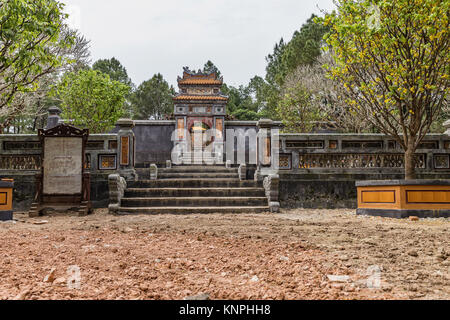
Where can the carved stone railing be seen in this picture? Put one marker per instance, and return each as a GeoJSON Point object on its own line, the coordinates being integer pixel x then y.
{"type": "Point", "coordinates": [20, 162]}
{"type": "Point", "coordinates": [117, 186]}
{"type": "Point", "coordinates": [22, 153]}
{"type": "Point", "coordinates": [353, 161]}
{"type": "Point", "coordinates": [343, 152]}
{"type": "Point", "coordinates": [271, 186]}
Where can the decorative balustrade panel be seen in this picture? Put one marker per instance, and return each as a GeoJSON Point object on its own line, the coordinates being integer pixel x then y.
{"type": "Point", "coordinates": [307, 161]}
{"type": "Point", "coordinates": [22, 153]}
{"type": "Point", "coordinates": [20, 162]}
{"type": "Point", "coordinates": [21, 145]}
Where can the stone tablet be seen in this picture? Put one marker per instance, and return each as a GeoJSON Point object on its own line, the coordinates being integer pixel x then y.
{"type": "Point", "coordinates": [63, 165]}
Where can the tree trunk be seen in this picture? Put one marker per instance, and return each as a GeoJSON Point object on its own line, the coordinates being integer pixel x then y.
{"type": "Point", "coordinates": [410, 172]}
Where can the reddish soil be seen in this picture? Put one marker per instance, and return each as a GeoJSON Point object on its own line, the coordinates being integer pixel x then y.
{"type": "Point", "coordinates": [246, 256]}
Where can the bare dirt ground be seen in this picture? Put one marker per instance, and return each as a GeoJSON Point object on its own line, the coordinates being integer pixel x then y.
{"type": "Point", "coordinates": [246, 256]}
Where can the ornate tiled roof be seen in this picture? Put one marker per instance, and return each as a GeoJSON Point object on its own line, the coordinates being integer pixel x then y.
{"type": "Point", "coordinates": [193, 97]}
{"type": "Point", "coordinates": [192, 77]}
{"type": "Point", "coordinates": [200, 81]}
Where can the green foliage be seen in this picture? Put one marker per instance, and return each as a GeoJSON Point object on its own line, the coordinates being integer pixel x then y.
{"type": "Point", "coordinates": [152, 99]}
{"type": "Point", "coordinates": [117, 72]}
{"type": "Point", "coordinates": [244, 102]}
{"type": "Point", "coordinates": [90, 99]}
{"type": "Point", "coordinates": [394, 61]}
{"type": "Point", "coordinates": [29, 41]}
{"type": "Point", "coordinates": [211, 67]}
{"type": "Point", "coordinates": [297, 110]}
{"type": "Point", "coordinates": [304, 48]}
{"type": "Point", "coordinates": [240, 104]}
{"type": "Point", "coordinates": [274, 64]}
{"type": "Point", "coordinates": [114, 69]}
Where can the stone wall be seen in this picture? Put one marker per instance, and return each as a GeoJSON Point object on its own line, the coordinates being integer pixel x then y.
{"type": "Point", "coordinates": [320, 170]}
{"type": "Point", "coordinates": [153, 141]}
{"type": "Point", "coordinates": [315, 170]}
{"type": "Point", "coordinates": [20, 159]}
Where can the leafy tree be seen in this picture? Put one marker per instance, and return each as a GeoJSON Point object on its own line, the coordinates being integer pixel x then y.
{"type": "Point", "coordinates": [117, 72]}
{"type": "Point", "coordinates": [297, 110]}
{"type": "Point", "coordinates": [114, 69]}
{"type": "Point", "coordinates": [245, 102]}
{"type": "Point", "coordinates": [211, 67]}
{"type": "Point", "coordinates": [78, 55]}
{"type": "Point", "coordinates": [393, 59]}
{"type": "Point", "coordinates": [152, 99]}
{"type": "Point", "coordinates": [274, 64]}
{"type": "Point", "coordinates": [303, 49]}
{"type": "Point", "coordinates": [28, 112]}
{"type": "Point", "coordinates": [31, 47]}
{"type": "Point", "coordinates": [326, 96]}
{"type": "Point", "coordinates": [91, 99]}
{"type": "Point", "coordinates": [241, 104]}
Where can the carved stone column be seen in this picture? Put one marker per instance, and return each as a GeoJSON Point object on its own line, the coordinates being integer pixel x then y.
{"type": "Point", "coordinates": [271, 185]}
{"type": "Point", "coordinates": [267, 149]}
{"type": "Point", "coordinates": [126, 149]}
{"type": "Point", "coordinates": [117, 186]}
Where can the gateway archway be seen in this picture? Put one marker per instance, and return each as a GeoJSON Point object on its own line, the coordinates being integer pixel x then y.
{"type": "Point", "coordinates": [200, 109]}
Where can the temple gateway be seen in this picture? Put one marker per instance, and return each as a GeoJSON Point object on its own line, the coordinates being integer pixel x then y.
{"type": "Point", "coordinates": [199, 109]}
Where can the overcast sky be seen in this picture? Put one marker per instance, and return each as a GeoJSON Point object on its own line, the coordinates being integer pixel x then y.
{"type": "Point", "coordinates": [151, 36]}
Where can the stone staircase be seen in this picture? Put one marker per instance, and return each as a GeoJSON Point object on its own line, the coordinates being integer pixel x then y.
{"type": "Point", "coordinates": [193, 189]}
{"type": "Point", "coordinates": [193, 158]}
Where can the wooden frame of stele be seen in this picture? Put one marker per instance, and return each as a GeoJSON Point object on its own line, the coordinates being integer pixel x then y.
{"type": "Point", "coordinates": [404, 198]}
{"type": "Point", "coordinates": [6, 199]}
{"type": "Point", "coordinates": [63, 184]}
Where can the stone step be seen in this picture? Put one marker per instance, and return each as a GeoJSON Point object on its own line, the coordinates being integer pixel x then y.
{"type": "Point", "coordinates": [191, 169]}
{"type": "Point", "coordinates": [200, 162]}
{"type": "Point", "coordinates": [194, 183]}
{"type": "Point", "coordinates": [194, 192]}
{"type": "Point", "coordinates": [191, 210]}
{"type": "Point", "coordinates": [143, 173]}
{"type": "Point", "coordinates": [193, 175]}
{"type": "Point", "coordinates": [194, 201]}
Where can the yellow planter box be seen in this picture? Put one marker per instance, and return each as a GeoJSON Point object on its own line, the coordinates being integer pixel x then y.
{"type": "Point", "coordinates": [6, 198]}
{"type": "Point", "coordinates": [404, 198]}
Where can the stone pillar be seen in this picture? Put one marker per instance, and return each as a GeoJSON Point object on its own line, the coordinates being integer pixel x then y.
{"type": "Point", "coordinates": [153, 172]}
{"type": "Point", "coordinates": [242, 171]}
{"type": "Point", "coordinates": [53, 117]}
{"type": "Point", "coordinates": [126, 149]}
{"type": "Point", "coordinates": [271, 186]}
{"type": "Point", "coordinates": [267, 149]}
{"type": "Point", "coordinates": [447, 126]}
{"type": "Point", "coordinates": [117, 186]}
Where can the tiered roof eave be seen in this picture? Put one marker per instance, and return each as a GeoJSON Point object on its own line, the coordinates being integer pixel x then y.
{"type": "Point", "coordinates": [193, 97]}
{"type": "Point", "coordinates": [199, 78]}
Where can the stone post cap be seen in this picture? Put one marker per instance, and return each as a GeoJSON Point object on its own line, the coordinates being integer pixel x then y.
{"type": "Point", "coordinates": [447, 126]}
{"type": "Point", "coordinates": [54, 111]}
{"type": "Point", "coordinates": [265, 123]}
{"type": "Point", "coordinates": [125, 123]}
